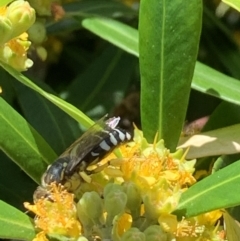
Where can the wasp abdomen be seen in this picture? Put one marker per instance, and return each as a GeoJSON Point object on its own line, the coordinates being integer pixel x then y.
{"type": "Point", "coordinates": [115, 137]}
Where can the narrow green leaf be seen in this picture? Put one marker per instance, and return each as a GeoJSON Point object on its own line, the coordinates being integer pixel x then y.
{"type": "Point", "coordinates": [7, 91]}
{"type": "Point", "coordinates": [224, 161]}
{"type": "Point", "coordinates": [205, 79]}
{"type": "Point", "coordinates": [76, 10]}
{"type": "Point", "coordinates": [233, 3]}
{"type": "Point", "coordinates": [4, 2]}
{"type": "Point", "coordinates": [218, 142]}
{"type": "Point", "coordinates": [68, 108]}
{"type": "Point", "coordinates": [235, 212]}
{"type": "Point", "coordinates": [212, 82]}
{"type": "Point", "coordinates": [16, 186]}
{"type": "Point", "coordinates": [115, 32]}
{"type": "Point", "coordinates": [227, 54]}
{"type": "Point", "coordinates": [98, 7]}
{"type": "Point", "coordinates": [232, 228]}
{"type": "Point", "coordinates": [168, 44]}
{"type": "Point", "coordinates": [219, 190]}
{"type": "Point", "coordinates": [15, 224]}
{"type": "Point", "coordinates": [22, 143]}
{"type": "Point", "coordinates": [66, 25]}
{"type": "Point", "coordinates": [55, 126]}
{"type": "Point", "coordinates": [96, 85]}
{"type": "Point", "coordinates": [226, 114]}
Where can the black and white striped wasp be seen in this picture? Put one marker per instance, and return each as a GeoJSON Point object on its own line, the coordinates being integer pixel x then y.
{"type": "Point", "coordinates": [96, 143]}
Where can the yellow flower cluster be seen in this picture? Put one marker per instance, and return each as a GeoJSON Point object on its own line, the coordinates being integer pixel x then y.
{"type": "Point", "coordinates": [16, 18]}
{"type": "Point", "coordinates": [133, 198]}
{"type": "Point", "coordinates": [56, 215]}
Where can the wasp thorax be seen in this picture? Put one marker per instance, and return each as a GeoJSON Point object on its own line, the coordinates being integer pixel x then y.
{"type": "Point", "coordinates": [55, 172]}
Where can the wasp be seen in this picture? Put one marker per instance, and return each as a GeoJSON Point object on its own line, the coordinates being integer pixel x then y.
{"type": "Point", "coordinates": [96, 143]}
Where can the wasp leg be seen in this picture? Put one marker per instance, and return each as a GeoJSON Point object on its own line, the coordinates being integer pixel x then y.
{"type": "Point", "coordinates": [112, 167]}
{"type": "Point", "coordinates": [85, 176]}
{"type": "Point", "coordinates": [98, 167]}
{"type": "Point", "coordinates": [73, 182]}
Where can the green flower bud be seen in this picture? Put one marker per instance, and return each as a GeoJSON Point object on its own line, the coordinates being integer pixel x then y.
{"type": "Point", "coordinates": [21, 15]}
{"type": "Point", "coordinates": [134, 198]}
{"type": "Point", "coordinates": [133, 234]}
{"type": "Point", "coordinates": [92, 205]}
{"type": "Point", "coordinates": [42, 7]}
{"type": "Point", "coordinates": [115, 203]}
{"type": "Point", "coordinates": [37, 32]}
{"type": "Point", "coordinates": [86, 221]}
{"type": "Point", "coordinates": [41, 52]}
{"type": "Point", "coordinates": [155, 233]}
{"type": "Point", "coordinates": [150, 209]}
{"type": "Point", "coordinates": [5, 30]}
{"type": "Point", "coordinates": [82, 239]}
{"type": "Point", "coordinates": [111, 187]}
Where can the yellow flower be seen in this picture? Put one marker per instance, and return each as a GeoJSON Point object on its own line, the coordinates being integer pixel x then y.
{"type": "Point", "coordinates": [16, 18]}
{"type": "Point", "coordinates": [14, 53]}
{"type": "Point", "coordinates": [40, 237]}
{"type": "Point", "coordinates": [56, 214]}
{"type": "Point", "coordinates": [124, 223]}
{"type": "Point", "coordinates": [147, 164]}
{"type": "Point", "coordinates": [168, 222]}
{"type": "Point", "coordinates": [198, 228]}
{"type": "Point", "coordinates": [129, 197]}
{"type": "Point", "coordinates": [210, 218]}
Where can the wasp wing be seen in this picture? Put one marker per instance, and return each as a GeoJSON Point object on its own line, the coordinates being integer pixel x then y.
{"type": "Point", "coordinates": [83, 146]}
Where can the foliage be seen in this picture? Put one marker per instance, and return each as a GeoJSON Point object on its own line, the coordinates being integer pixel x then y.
{"type": "Point", "coordinates": [183, 76]}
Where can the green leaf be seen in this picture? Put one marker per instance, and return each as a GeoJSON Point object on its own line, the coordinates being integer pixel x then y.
{"type": "Point", "coordinates": [225, 114]}
{"type": "Point", "coordinates": [168, 44]}
{"type": "Point", "coordinates": [68, 108]}
{"type": "Point", "coordinates": [117, 33]}
{"type": "Point", "coordinates": [76, 10]}
{"type": "Point", "coordinates": [224, 161]}
{"type": "Point", "coordinates": [218, 142]}
{"type": "Point", "coordinates": [234, 212]}
{"type": "Point", "coordinates": [22, 143]}
{"type": "Point", "coordinates": [232, 228]}
{"type": "Point", "coordinates": [15, 186]}
{"type": "Point", "coordinates": [219, 190]}
{"type": "Point", "coordinates": [4, 2]}
{"type": "Point", "coordinates": [99, 8]}
{"type": "Point", "coordinates": [55, 126]}
{"type": "Point", "coordinates": [15, 224]}
{"type": "Point", "coordinates": [205, 79]}
{"type": "Point", "coordinates": [212, 82]}
{"type": "Point", "coordinates": [108, 75]}
{"type": "Point", "coordinates": [6, 86]}
{"type": "Point", "coordinates": [233, 3]}
{"type": "Point", "coordinates": [225, 55]}
{"type": "Point", "coordinates": [66, 24]}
